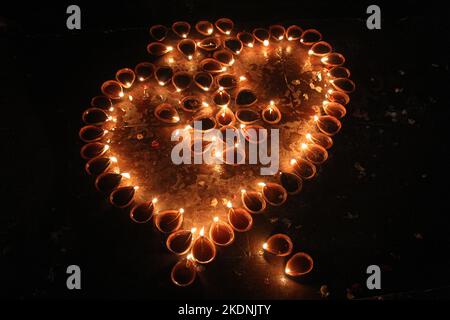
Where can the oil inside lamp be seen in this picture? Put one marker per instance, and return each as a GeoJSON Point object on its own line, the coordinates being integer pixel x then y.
{"type": "Point", "coordinates": [166, 113]}
{"type": "Point", "coordinates": [209, 44]}
{"type": "Point", "coordinates": [277, 32]}
{"type": "Point", "coordinates": [278, 244]}
{"type": "Point", "coordinates": [253, 201]}
{"type": "Point", "coordinates": [262, 35]}
{"type": "Point", "coordinates": [190, 103]}
{"type": "Point", "coordinates": [274, 193]}
{"type": "Point", "coordinates": [321, 49]}
{"type": "Point", "coordinates": [333, 59]}
{"type": "Point", "coordinates": [183, 273]}
{"type": "Point", "coordinates": [304, 169]}
{"type": "Point", "coordinates": [181, 80]}
{"type": "Point", "coordinates": [221, 98]}
{"type": "Point", "coordinates": [246, 38]}
{"type": "Point", "coordinates": [163, 75]}
{"type": "Point", "coordinates": [125, 77]}
{"type": "Point", "coordinates": [159, 32]}
{"type": "Point", "coordinates": [181, 29]}
{"type": "Point", "coordinates": [224, 56]}
{"type": "Point", "coordinates": [240, 219]}
{"type": "Point", "coordinates": [142, 212]}
{"type": "Point", "coordinates": [203, 249]}
{"type": "Point", "coordinates": [233, 44]}
{"type": "Point", "coordinates": [291, 182]}
{"type": "Point", "coordinates": [338, 96]}
{"type": "Point", "coordinates": [97, 166]}
{"type": "Point", "coordinates": [247, 116]}
{"type": "Point", "coordinates": [91, 133]}
{"type": "Point", "coordinates": [225, 117]}
{"type": "Point", "coordinates": [208, 123]}
{"type": "Point", "coordinates": [101, 102]}
{"type": "Point", "coordinates": [299, 264]}
{"type": "Point", "coordinates": [293, 32]}
{"type": "Point", "coordinates": [112, 89]}
{"type": "Point", "coordinates": [158, 49]}
{"type": "Point", "coordinates": [227, 81]}
{"type": "Point", "coordinates": [187, 47]}
{"type": "Point", "coordinates": [254, 134]}
{"type": "Point", "coordinates": [168, 221]}
{"type": "Point", "coordinates": [339, 72]}
{"type": "Point", "coordinates": [221, 233]}
{"type": "Point", "coordinates": [122, 196]}
{"type": "Point", "coordinates": [211, 65]}
{"type": "Point", "coordinates": [108, 181]}
{"type": "Point", "coordinates": [329, 125]}
{"type": "Point", "coordinates": [343, 84]}
{"type": "Point", "coordinates": [271, 114]}
{"type": "Point", "coordinates": [204, 27]}
{"type": "Point", "coordinates": [144, 71]}
{"type": "Point", "coordinates": [310, 36]}
{"type": "Point", "coordinates": [334, 109]}
{"type": "Point", "coordinates": [204, 80]}
{"type": "Point", "coordinates": [180, 241]}
{"type": "Point", "coordinates": [93, 150]}
{"type": "Point", "coordinates": [315, 154]}
{"type": "Point", "coordinates": [246, 98]}
{"type": "Point", "coordinates": [224, 25]}
{"type": "Point", "coordinates": [94, 116]}
{"type": "Point", "coordinates": [320, 139]}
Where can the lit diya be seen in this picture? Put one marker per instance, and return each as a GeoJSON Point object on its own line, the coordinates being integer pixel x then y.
{"type": "Point", "coordinates": [212, 74]}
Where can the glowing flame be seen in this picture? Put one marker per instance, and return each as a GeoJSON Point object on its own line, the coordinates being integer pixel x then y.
{"type": "Point", "coordinates": [266, 43]}
{"type": "Point", "coordinates": [121, 94]}
{"type": "Point", "coordinates": [171, 60]}
{"type": "Point", "coordinates": [176, 118]}
{"type": "Point", "coordinates": [113, 159]}
{"type": "Point", "coordinates": [193, 230]}
{"type": "Point", "coordinates": [169, 48]}
{"type": "Point", "coordinates": [202, 231]}
{"type": "Point", "coordinates": [293, 161]}
{"type": "Point", "coordinates": [154, 200]}
{"type": "Point", "coordinates": [264, 246]}
{"type": "Point", "coordinates": [309, 136]}
{"type": "Point", "coordinates": [280, 38]}
{"type": "Point", "coordinates": [111, 109]}
{"type": "Point", "coordinates": [136, 187]}
{"type": "Point", "coordinates": [161, 83]}
{"type": "Point", "coordinates": [216, 219]}
{"type": "Point", "coordinates": [304, 146]}
{"type": "Point", "coordinates": [316, 118]}
{"type": "Point", "coordinates": [250, 45]}
{"type": "Point", "coordinates": [181, 210]}
{"type": "Point", "coordinates": [141, 79]}
{"type": "Point", "coordinates": [261, 184]}
{"type": "Point", "coordinates": [190, 256]}
{"type": "Point", "coordinates": [189, 57]}
{"type": "Point", "coordinates": [243, 191]}
{"type": "Point", "coordinates": [205, 104]}
{"type": "Point", "coordinates": [227, 32]}
{"type": "Point", "coordinates": [242, 78]}
{"type": "Point", "coordinates": [125, 175]}
{"type": "Point", "coordinates": [229, 205]}
{"type": "Point", "coordinates": [210, 30]}
{"type": "Point", "coordinates": [130, 98]}
{"type": "Point", "coordinates": [106, 147]}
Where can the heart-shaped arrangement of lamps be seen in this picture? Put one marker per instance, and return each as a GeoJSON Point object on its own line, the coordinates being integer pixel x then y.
{"type": "Point", "coordinates": [275, 77]}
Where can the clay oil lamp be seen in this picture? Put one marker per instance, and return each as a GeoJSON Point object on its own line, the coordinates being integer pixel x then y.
{"type": "Point", "coordinates": [92, 133]}
{"type": "Point", "coordinates": [224, 56]}
{"type": "Point", "coordinates": [225, 117]}
{"type": "Point", "coordinates": [338, 96]}
{"type": "Point", "coordinates": [333, 59]}
{"type": "Point", "coordinates": [314, 153]}
{"type": "Point", "coordinates": [112, 89]}
{"type": "Point", "coordinates": [207, 122]}
{"type": "Point", "coordinates": [273, 193]}
{"type": "Point", "coordinates": [181, 29]}
{"type": "Point", "coordinates": [122, 197]}
{"type": "Point", "coordinates": [240, 219]}
{"type": "Point", "coordinates": [339, 72]}
{"type": "Point", "coordinates": [211, 65]}
{"type": "Point", "coordinates": [99, 165]}
{"type": "Point", "coordinates": [334, 109]}
{"type": "Point", "coordinates": [190, 103]}
{"type": "Point", "coordinates": [221, 98]}
{"type": "Point", "coordinates": [101, 102]}
{"type": "Point", "coordinates": [291, 182]}
{"type": "Point", "coordinates": [93, 150]}
{"type": "Point", "coordinates": [163, 75]}
{"type": "Point", "coordinates": [328, 125]}
{"type": "Point", "coordinates": [183, 273]}
{"type": "Point", "coordinates": [271, 114]}
{"type": "Point", "coordinates": [142, 212]}
{"type": "Point", "coordinates": [159, 32]}
{"type": "Point", "coordinates": [224, 25]}
{"type": "Point", "coordinates": [304, 169]}
{"type": "Point", "coordinates": [253, 201]}
{"type": "Point", "coordinates": [320, 49]}
{"type": "Point", "coordinates": [209, 44]}
{"type": "Point", "coordinates": [204, 27]}
{"type": "Point", "coordinates": [246, 98]}
{"type": "Point", "coordinates": [204, 80]}
{"type": "Point", "coordinates": [234, 45]}
{"type": "Point", "coordinates": [247, 116]}
{"type": "Point", "coordinates": [221, 233]}
{"type": "Point", "coordinates": [255, 133]}
{"type": "Point", "coordinates": [94, 116]}
{"type": "Point", "coordinates": [144, 71]}
{"type": "Point", "coordinates": [299, 264]}
{"type": "Point", "coordinates": [203, 249]}
{"type": "Point", "coordinates": [187, 47]}
{"type": "Point", "coordinates": [167, 113]}
{"type": "Point", "coordinates": [277, 32]}
{"type": "Point", "coordinates": [227, 81]}
{"type": "Point", "coordinates": [108, 181]}
{"type": "Point", "coordinates": [125, 77]}
{"type": "Point", "coordinates": [181, 80]}
{"type": "Point", "coordinates": [246, 38]}
{"type": "Point", "coordinates": [180, 241]}
{"type": "Point", "coordinates": [262, 35]}
{"type": "Point", "coordinates": [343, 84]}
{"type": "Point", "coordinates": [310, 36]}
{"type": "Point", "coordinates": [293, 33]}
{"type": "Point", "coordinates": [158, 49]}
{"type": "Point", "coordinates": [320, 139]}
{"type": "Point", "coordinates": [278, 244]}
{"type": "Point", "coordinates": [169, 221]}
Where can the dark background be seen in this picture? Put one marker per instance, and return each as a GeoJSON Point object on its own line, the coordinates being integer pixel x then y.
{"type": "Point", "coordinates": [380, 199]}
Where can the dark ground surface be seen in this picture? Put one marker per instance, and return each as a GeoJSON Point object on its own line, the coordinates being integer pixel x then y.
{"type": "Point", "coordinates": [381, 198]}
